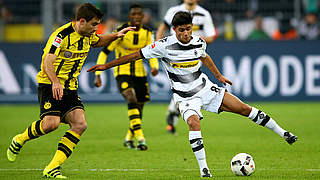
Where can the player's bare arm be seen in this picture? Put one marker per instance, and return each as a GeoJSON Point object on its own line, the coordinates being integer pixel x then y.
{"type": "Point", "coordinates": [121, 60]}
{"type": "Point", "coordinates": [208, 40]}
{"type": "Point", "coordinates": [161, 31]}
{"type": "Point", "coordinates": [208, 62]}
{"type": "Point", "coordinates": [106, 39]}
{"type": "Point", "coordinates": [57, 88]}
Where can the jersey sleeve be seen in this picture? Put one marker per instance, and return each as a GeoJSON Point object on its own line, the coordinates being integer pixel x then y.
{"type": "Point", "coordinates": [203, 49]}
{"type": "Point", "coordinates": [168, 17]}
{"type": "Point", "coordinates": [94, 39]}
{"type": "Point", "coordinates": [55, 43]}
{"type": "Point", "coordinates": [208, 27]}
{"type": "Point", "coordinates": [154, 50]}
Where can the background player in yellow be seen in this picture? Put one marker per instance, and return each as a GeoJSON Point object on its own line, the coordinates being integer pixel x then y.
{"type": "Point", "coordinates": [131, 78]}
{"type": "Point", "coordinates": [62, 60]}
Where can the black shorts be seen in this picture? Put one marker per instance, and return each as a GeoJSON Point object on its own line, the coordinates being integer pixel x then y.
{"type": "Point", "coordinates": [139, 84]}
{"type": "Point", "coordinates": [50, 106]}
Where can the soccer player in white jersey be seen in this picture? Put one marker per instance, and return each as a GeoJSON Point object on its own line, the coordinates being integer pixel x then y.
{"type": "Point", "coordinates": [202, 26]}
{"type": "Point", "coordinates": [182, 55]}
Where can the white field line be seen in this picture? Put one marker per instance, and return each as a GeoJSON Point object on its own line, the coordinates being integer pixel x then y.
{"type": "Point", "coordinates": [146, 170]}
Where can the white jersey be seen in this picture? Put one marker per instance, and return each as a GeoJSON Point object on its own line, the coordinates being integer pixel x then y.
{"type": "Point", "coordinates": [181, 61]}
{"type": "Point", "coordinates": [202, 21]}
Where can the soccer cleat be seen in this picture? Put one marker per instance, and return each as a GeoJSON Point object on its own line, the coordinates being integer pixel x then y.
{"type": "Point", "coordinates": [53, 173]}
{"type": "Point", "coordinates": [142, 145]}
{"type": "Point", "coordinates": [205, 173]}
{"type": "Point", "coordinates": [13, 149]}
{"type": "Point", "coordinates": [290, 138]}
{"type": "Point", "coordinates": [171, 129]}
{"type": "Point", "coordinates": [129, 144]}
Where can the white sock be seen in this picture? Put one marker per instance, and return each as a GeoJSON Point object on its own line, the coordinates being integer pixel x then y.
{"type": "Point", "coordinates": [196, 143]}
{"type": "Point", "coordinates": [263, 119]}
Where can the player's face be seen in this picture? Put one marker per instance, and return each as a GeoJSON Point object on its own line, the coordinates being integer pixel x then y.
{"type": "Point", "coordinates": [87, 28]}
{"type": "Point", "coordinates": [135, 16]}
{"type": "Point", "coordinates": [190, 2]}
{"type": "Point", "coordinates": [183, 33]}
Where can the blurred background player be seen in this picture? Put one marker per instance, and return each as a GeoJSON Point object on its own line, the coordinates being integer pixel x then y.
{"type": "Point", "coordinates": [202, 26]}
{"type": "Point", "coordinates": [132, 78]}
{"type": "Point", "coordinates": [62, 60]}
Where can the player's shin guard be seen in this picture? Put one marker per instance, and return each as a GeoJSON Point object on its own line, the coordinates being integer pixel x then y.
{"type": "Point", "coordinates": [263, 119]}
{"type": "Point", "coordinates": [65, 147]}
{"type": "Point", "coordinates": [135, 120]}
{"type": "Point", "coordinates": [196, 143]}
{"type": "Point", "coordinates": [32, 132]}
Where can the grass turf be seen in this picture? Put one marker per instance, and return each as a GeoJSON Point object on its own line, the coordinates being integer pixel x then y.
{"type": "Point", "coordinates": [100, 153]}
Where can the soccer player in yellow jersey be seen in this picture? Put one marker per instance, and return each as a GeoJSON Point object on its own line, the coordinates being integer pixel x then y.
{"type": "Point", "coordinates": [62, 60]}
{"type": "Point", "coordinates": [131, 78]}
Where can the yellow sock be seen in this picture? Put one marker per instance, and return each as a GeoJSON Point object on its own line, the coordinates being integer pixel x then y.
{"type": "Point", "coordinates": [33, 131]}
{"type": "Point", "coordinates": [65, 147]}
{"type": "Point", "coordinates": [130, 135]}
{"type": "Point", "coordinates": [135, 121]}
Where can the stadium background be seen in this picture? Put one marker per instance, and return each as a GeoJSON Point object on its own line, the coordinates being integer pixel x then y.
{"type": "Point", "coordinates": [262, 70]}
{"type": "Point", "coordinates": [280, 77]}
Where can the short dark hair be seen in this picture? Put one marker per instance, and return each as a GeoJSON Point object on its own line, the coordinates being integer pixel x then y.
{"type": "Point", "coordinates": [135, 6]}
{"type": "Point", "coordinates": [88, 11]}
{"type": "Point", "coordinates": [181, 18]}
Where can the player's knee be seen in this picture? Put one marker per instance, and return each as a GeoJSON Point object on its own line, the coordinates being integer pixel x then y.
{"type": "Point", "coordinates": [245, 110]}
{"type": "Point", "coordinates": [50, 123]}
{"type": "Point", "coordinates": [79, 127]}
{"type": "Point", "coordinates": [194, 123]}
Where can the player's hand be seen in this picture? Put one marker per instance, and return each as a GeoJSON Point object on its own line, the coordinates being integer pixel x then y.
{"type": "Point", "coordinates": [97, 67]}
{"type": "Point", "coordinates": [154, 71]}
{"type": "Point", "coordinates": [224, 80]}
{"type": "Point", "coordinates": [97, 81]}
{"type": "Point", "coordinates": [57, 91]}
{"type": "Point", "coordinates": [124, 31]}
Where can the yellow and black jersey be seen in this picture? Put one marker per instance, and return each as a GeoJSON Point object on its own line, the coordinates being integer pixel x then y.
{"type": "Point", "coordinates": [71, 49]}
{"type": "Point", "coordinates": [130, 43]}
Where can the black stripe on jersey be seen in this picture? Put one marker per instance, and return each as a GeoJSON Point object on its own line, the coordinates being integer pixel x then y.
{"type": "Point", "coordinates": [105, 50]}
{"type": "Point", "coordinates": [187, 78]}
{"type": "Point", "coordinates": [185, 60]}
{"type": "Point", "coordinates": [80, 43]}
{"type": "Point", "coordinates": [177, 46]}
{"type": "Point", "coordinates": [135, 39]}
{"type": "Point", "coordinates": [70, 75]}
{"type": "Point", "coordinates": [197, 14]}
{"type": "Point", "coordinates": [148, 28]}
{"type": "Point", "coordinates": [132, 68]}
{"type": "Point", "coordinates": [60, 66]}
{"type": "Point", "coordinates": [123, 26]}
{"type": "Point", "coordinates": [65, 32]}
{"type": "Point", "coordinates": [68, 41]}
{"type": "Point", "coordinates": [191, 92]}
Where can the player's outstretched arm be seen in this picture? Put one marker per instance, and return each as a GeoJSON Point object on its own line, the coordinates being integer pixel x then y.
{"type": "Point", "coordinates": [122, 60]}
{"type": "Point", "coordinates": [106, 39]}
{"type": "Point", "coordinates": [207, 61]}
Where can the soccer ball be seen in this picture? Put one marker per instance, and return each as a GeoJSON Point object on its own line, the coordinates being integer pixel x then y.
{"type": "Point", "coordinates": [242, 164]}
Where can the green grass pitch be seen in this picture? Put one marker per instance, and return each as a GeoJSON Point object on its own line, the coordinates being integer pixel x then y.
{"type": "Point", "coordinates": [100, 153]}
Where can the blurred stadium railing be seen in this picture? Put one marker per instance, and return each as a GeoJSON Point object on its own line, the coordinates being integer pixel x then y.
{"type": "Point", "coordinates": [34, 20]}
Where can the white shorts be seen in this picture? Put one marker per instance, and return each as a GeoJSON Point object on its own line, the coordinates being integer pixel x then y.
{"type": "Point", "coordinates": [209, 98]}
